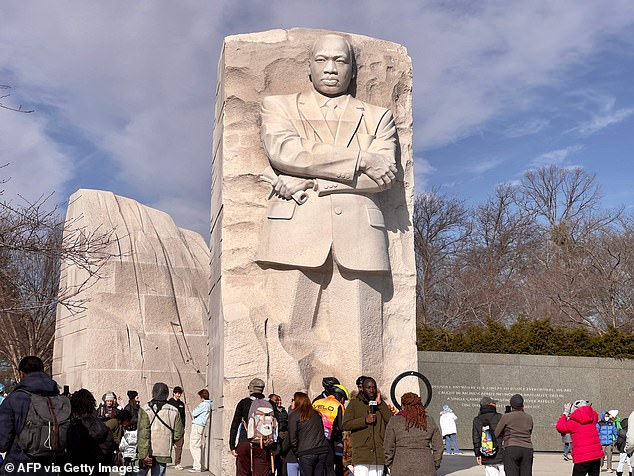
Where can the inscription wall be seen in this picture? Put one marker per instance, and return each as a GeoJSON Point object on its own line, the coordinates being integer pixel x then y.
{"type": "Point", "coordinates": [546, 382]}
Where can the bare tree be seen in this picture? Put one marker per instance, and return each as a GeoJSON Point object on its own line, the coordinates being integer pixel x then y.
{"type": "Point", "coordinates": [35, 246]}
{"type": "Point", "coordinates": [441, 227]}
{"type": "Point", "coordinates": [11, 108]}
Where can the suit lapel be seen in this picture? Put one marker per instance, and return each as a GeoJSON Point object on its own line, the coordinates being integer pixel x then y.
{"type": "Point", "coordinates": [311, 112]}
{"type": "Point", "coordinates": [349, 121]}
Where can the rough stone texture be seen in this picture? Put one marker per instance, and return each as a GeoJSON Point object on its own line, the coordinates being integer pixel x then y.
{"type": "Point", "coordinates": [547, 382]}
{"type": "Point", "coordinates": [146, 318]}
{"type": "Point", "coordinates": [243, 300]}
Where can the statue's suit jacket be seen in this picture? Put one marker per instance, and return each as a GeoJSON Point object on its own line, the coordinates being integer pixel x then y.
{"type": "Point", "coordinates": [342, 214]}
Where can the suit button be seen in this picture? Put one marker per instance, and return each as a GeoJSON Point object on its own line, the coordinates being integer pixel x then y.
{"type": "Point", "coordinates": [338, 211]}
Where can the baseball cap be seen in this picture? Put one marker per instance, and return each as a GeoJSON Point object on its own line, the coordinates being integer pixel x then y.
{"type": "Point", "coordinates": [486, 400]}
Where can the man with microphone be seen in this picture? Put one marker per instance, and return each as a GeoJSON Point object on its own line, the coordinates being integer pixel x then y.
{"type": "Point", "coordinates": [366, 418]}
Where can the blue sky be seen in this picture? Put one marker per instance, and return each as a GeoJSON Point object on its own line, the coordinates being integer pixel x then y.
{"type": "Point", "coordinates": [123, 91]}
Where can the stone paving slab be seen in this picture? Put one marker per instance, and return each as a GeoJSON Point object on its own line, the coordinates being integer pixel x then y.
{"type": "Point", "coordinates": [545, 464]}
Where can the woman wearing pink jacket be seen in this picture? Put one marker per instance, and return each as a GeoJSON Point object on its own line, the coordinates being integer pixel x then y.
{"type": "Point", "coordinates": [579, 419]}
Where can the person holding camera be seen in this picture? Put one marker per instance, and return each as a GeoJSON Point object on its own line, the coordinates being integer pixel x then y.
{"type": "Point", "coordinates": [366, 418]}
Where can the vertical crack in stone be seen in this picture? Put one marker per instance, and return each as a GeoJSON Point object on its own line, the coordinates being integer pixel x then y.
{"type": "Point", "coordinates": [134, 262]}
{"type": "Point", "coordinates": [170, 270]}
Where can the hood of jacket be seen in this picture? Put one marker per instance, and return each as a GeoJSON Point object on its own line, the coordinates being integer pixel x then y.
{"type": "Point", "coordinates": [38, 382]}
{"type": "Point", "coordinates": [584, 415]}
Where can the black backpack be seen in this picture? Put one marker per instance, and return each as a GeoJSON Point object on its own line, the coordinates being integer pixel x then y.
{"type": "Point", "coordinates": [45, 431]}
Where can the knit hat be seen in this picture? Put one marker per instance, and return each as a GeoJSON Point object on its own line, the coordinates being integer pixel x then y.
{"type": "Point", "coordinates": [109, 396]}
{"type": "Point", "coordinates": [360, 380]}
{"type": "Point", "coordinates": [132, 394]}
{"type": "Point", "coordinates": [579, 404]}
{"type": "Point", "coordinates": [445, 408]}
{"type": "Point", "coordinates": [487, 401]}
{"type": "Point", "coordinates": [613, 413]}
{"type": "Point", "coordinates": [256, 385]}
{"type": "Point", "coordinates": [517, 401]}
{"type": "Point", "coordinates": [160, 391]}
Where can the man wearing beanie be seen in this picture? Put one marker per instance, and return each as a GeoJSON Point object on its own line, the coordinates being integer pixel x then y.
{"type": "Point", "coordinates": [107, 409]}
{"type": "Point", "coordinates": [238, 443]}
{"type": "Point", "coordinates": [159, 425]}
{"type": "Point", "coordinates": [515, 429]}
{"type": "Point", "coordinates": [488, 416]}
{"type": "Point", "coordinates": [133, 406]}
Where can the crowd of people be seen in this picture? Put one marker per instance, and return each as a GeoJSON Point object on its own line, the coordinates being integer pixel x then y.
{"type": "Point", "coordinates": [45, 432]}
{"type": "Point", "coordinates": [337, 432]}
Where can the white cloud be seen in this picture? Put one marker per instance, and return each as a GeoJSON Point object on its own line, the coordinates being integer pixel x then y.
{"type": "Point", "coordinates": [602, 121]}
{"type": "Point", "coordinates": [36, 165]}
{"type": "Point", "coordinates": [484, 166]}
{"type": "Point", "coordinates": [601, 108]}
{"type": "Point", "coordinates": [555, 157]}
{"type": "Point", "coordinates": [137, 79]}
{"type": "Point", "coordinates": [422, 170]}
{"type": "Point", "coordinates": [527, 128]}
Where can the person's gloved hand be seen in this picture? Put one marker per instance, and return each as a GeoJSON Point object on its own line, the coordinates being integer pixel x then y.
{"type": "Point", "coordinates": [567, 408]}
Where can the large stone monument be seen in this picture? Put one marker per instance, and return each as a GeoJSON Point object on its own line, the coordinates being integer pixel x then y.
{"type": "Point", "coordinates": [145, 318]}
{"type": "Point", "coordinates": [312, 194]}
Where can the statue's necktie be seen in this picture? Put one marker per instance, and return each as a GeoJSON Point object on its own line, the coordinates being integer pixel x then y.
{"type": "Point", "coordinates": [332, 117]}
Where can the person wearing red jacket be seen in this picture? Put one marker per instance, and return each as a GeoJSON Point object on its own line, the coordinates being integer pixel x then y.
{"type": "Point", "coordinates": [579, 419]}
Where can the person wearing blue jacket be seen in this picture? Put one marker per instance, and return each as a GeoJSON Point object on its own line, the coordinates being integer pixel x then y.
{"type": "Point", "coordinates": [608, 434]}
{"type": "Point", "coordinates": [14, 410]}
{"type": "Point", "coordinates": [200, 417]}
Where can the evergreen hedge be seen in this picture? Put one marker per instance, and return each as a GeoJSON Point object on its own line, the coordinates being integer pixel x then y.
{"type": "Point", "coordinates": [536, 337]}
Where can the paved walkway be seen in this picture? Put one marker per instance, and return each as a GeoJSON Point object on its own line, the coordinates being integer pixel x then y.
{"type": "Point", "coordinates": [545, 464]}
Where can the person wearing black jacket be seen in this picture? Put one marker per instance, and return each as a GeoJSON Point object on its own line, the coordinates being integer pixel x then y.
{"type": "Point", "coordinates": [306, 434]}
{"type": "Point", "coordinates": [90, 441]}
{"type": "Point", "coordinates": [247, 465]}
{"type": "Point", "coordinates": [620, 446]}
{"type": "Point", "coordinates": [488, 416]}
{"type": "Point", "coordinates": [14, 411]}
{"type": "Point", "coordinates": [176, 402]}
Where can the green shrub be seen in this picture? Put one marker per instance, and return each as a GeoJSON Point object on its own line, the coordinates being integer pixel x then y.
{"type": "Point", "coordinates": [537, 337]}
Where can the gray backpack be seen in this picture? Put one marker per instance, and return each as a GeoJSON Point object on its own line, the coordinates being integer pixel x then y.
{"type": "Point", "coordinates": [45, 431]}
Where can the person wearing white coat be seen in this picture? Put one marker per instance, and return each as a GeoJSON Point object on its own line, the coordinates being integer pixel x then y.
{"type": "Point", "coordinates": [448, 428]}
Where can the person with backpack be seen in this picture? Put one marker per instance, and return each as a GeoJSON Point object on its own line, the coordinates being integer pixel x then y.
{"type": "Point", "coordinates": [328, 383]}
{"type": "Point", "coordinates": [624, 459]}
{"type": "Point", "coordinates": [413, 443]}
{"type": "Point", "coordinates": [487, 452]}
{"type": "Point", "coordinates": [200, 417]}
{"type": "Point", "coordinates": [332, 411]}
{"type": "Point", "coordinates": [127, 447]}
{"type": "Point", "coordinates": [579, 420]}
{"type": "Point", "coordinates": [307, 438]}
{"type": "Point", "coordinates": [253, 452]}
{"type": "Point", "coordinates": [515, 430]}
{"type": "Point", "coordinates": [282, 434]}
{"type": "Point", "coordinates": [90, 441]}
{"type": "Point", "coordinates": [159, 426]}
{"type": "Point", "coordinates": [35, 390]}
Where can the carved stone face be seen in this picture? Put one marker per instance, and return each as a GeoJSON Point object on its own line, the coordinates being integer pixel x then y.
{"type": "Point", "coordinates": [331, 65]}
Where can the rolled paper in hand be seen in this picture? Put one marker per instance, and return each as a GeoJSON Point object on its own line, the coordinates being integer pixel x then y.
{"type": "Point", "coordinates": [269, 175]}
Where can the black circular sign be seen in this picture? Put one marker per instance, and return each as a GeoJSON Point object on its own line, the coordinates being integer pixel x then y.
{"type": "Point", "coordinates": [411, 373]}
